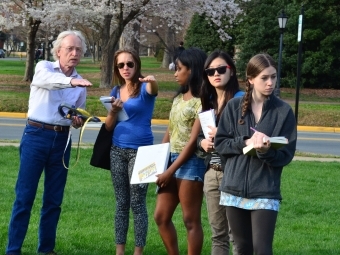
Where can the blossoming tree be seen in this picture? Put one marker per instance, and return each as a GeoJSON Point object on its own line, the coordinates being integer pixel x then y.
{"type": "Point", "coordinates": [107, 20]}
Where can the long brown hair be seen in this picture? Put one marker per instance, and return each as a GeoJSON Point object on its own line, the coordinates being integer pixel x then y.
{"type": "Point", "coordinates": [255, 66]}
{"type": "Point", "coordinates": [136, 84]}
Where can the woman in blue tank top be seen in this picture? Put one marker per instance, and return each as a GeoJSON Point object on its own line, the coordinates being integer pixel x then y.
{"type": "Point", "coordinates": [136, 95]}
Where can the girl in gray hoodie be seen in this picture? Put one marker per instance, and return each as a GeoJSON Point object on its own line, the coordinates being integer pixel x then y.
{"type": "Point", "coordinates": [250, 187]}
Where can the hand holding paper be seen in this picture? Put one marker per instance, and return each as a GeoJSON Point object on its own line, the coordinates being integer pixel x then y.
{"type": "Point", "coordinates": [107, 102]}
{"type": "Point", "coordinates": [207, 118]}
{"type": "Point", "coordinates": [151, 160]}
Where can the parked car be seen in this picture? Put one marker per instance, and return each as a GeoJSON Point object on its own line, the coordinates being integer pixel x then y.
{"type": "Point", "coordinates": [2, 53]}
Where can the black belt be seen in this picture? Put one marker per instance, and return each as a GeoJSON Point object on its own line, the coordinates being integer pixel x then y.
{"type": "Point", "coordinates": [56, 128]}
{"type": "Point", "coordinates": [216, 167]}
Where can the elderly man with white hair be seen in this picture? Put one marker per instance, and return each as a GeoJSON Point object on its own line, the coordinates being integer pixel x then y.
{"type": "Point", "coordinates": [44, 146]}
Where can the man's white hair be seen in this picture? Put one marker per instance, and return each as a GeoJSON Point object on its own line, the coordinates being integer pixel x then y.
{"type": "Point", "coordinates": [61, 36]}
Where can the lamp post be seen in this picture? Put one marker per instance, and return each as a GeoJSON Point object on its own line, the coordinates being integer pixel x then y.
{"type": "Point", "coordinates": [282, 24]}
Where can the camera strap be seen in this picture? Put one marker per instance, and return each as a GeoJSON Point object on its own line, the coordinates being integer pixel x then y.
{"type": "Point", "coordinates": [71, 112]}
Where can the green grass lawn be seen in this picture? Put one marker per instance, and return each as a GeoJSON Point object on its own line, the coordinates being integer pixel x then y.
{"type": "Point", "coordinates": [326, 112]}
{"type": "Point", "coordinates": [11, 67]}
{"type": "Point", "coordinates": [308, 222]}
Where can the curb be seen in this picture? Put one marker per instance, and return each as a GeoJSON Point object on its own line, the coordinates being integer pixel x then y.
{"type": "Point", "coordinates": [319, 129]}
{"type": "Point", "coordinates": [18, 115]}
{"type": "Point", "coordinates": [166, 122]}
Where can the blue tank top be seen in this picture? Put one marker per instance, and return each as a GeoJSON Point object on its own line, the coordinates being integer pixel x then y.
{"type": "Point", "coordinates": [136, 130]}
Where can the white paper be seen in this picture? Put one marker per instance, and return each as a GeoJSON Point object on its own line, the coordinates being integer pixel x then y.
{"type": "Point", "coordinates": [150, 161]}
{"type": "Point", "coordinates": [207, 118]}
{"type": "Point", "coordinates": [122, 115]}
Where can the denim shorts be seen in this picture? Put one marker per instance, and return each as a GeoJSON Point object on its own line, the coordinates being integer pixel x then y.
{"type": "Point", "coordinates": [193, 169]}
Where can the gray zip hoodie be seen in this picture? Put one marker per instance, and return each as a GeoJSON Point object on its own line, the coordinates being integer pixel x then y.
{"type": "Point", "coordinates": [255, 176]}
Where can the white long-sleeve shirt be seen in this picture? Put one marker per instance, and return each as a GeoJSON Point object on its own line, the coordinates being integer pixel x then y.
{"type": "Point", "coordinates": [50, 88]}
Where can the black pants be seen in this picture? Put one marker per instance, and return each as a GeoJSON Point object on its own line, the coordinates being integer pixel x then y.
{"type": "Point", "coordinates": [253, 230]}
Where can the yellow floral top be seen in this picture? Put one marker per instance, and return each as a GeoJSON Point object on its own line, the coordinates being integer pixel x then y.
{"type": "Point", "coordinates": [182, 117]}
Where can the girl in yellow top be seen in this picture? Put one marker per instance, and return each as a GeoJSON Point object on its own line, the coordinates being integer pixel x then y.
{"type": "Point", "coordinates": [182, 182]}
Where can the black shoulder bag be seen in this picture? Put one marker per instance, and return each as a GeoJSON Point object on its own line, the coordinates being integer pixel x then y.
{"type": "Point", "coordinates": [102, 147]}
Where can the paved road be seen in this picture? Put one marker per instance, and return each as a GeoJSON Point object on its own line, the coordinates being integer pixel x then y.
{"type": "Point", "coordinates": [311, 141]}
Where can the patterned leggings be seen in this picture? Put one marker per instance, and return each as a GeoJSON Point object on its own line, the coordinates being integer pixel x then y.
{"type": "Point", "coordinates": [122, 162]}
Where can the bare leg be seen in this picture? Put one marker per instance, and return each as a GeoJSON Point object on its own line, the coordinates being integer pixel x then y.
{"type": "Point", "coordinates": [191, 196]}
{"type": "Point", "coordinates": [167, 201]}
{"type": "Point", "coordinates": [120, 249]}
{"type": "Point", "coordinates": [138, 250]}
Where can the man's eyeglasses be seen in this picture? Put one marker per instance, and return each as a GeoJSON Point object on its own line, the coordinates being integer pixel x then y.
{"type": "Point", "coordinates": [129, 65]}
{"type": "Point", "coordinates": [71, 49]}
{"type": "Point", "coordinates": [220, 70]}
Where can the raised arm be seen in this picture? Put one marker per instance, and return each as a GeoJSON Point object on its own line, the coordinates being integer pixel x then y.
{"type": "Point", "coordinates": [151, 86]}
{"type": "Point", "coordinates": [45, 77]}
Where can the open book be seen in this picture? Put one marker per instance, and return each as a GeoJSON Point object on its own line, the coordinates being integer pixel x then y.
{"type": "Point", "coordinates": [207, 118]}
{"type": "Point", "coordinates": [106, 101]}
{"type": "Point", "coordinates": [150, 160]}
{"type": "Point", "coordinates": [276, 143]}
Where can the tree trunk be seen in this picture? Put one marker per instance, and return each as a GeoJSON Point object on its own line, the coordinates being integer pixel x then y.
{"type": "Point", "coordinates": [106, 74]}
{"type": "Point", "coordinates": [132, 42]}
{"type": "Point", "coordinates": [135, 40]}
{"type": "Point", "coordinates": [32, 28]}
{"type": "Point", "coordinates": [122, 42]}
{"type": "Point", "coordinates": [110, 42]}
{"type": "Point", "coordinates": [97, 51]}
{"type": "Point", "coordinates": [168, 47]}
{"type": "Point", "coordinates": [47, 48]}
{"type": "Point", "coordinates": [93, 52]}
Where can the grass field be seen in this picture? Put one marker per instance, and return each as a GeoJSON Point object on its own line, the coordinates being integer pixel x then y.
{"type": "Point", "coordinates": [308, 221]}
{"type": "Point", "coordinates": [316, 107]}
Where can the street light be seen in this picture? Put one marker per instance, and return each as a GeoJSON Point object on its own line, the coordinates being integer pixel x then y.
{"type": "Point", "coordinates": [282, 24]}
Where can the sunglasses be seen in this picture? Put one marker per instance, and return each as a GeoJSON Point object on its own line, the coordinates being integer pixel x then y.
{"type": "Point", "coordinates": [129, 65]}
{"type": "Point", "coordinates": [220, 70]}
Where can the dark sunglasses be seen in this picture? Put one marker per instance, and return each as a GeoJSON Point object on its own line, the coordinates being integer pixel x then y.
{"type": "Point", "coordinates": [129, 65]}
{"type": "Point", "coordinates": [220, 70]}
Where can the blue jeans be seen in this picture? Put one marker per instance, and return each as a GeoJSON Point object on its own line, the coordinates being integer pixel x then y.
{"type": "Point", "coordinates": [40, 150]}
